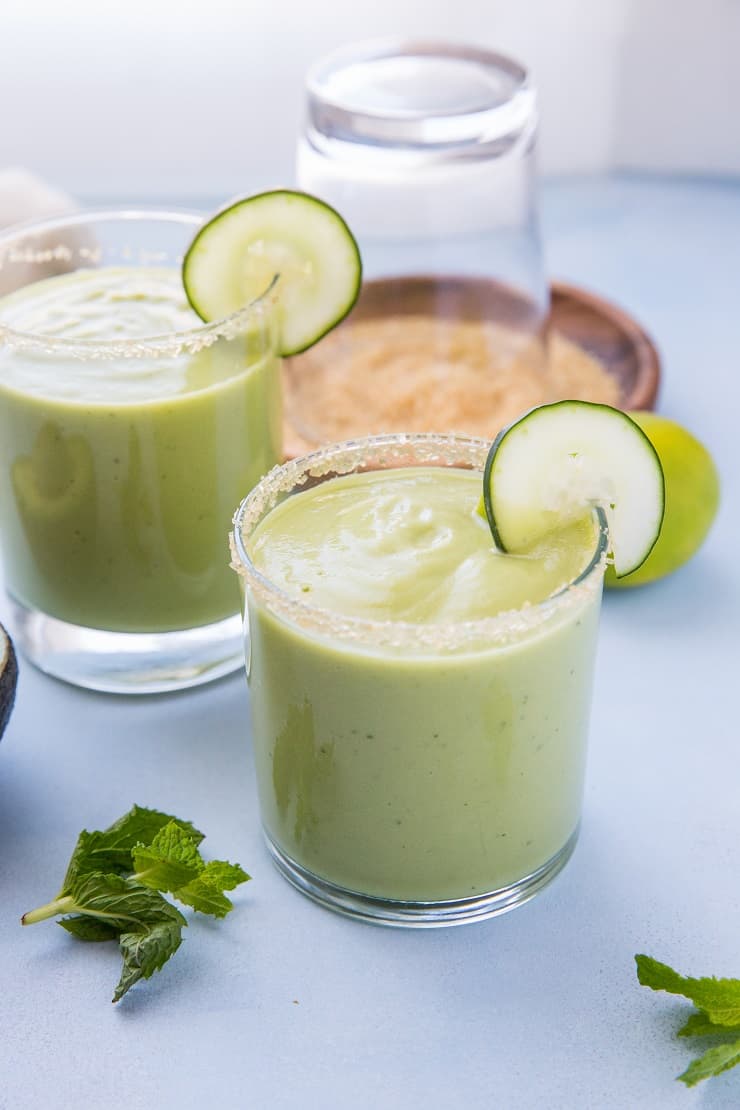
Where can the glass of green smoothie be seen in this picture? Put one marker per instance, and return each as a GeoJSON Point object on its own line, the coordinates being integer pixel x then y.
{"type": "Point", "coordinates": [128, 431]}
{"type": "Point", "coordinates": [419, 699]}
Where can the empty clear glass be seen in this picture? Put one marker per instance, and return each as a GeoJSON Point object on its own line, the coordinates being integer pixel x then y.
{"type": "Point", "coordinates": [428, 151]}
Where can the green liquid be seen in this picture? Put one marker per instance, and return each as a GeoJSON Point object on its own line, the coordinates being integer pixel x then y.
{"type": "Point", "coordinates": [118, 477]}
{"type": "Point", "coordinates": [417, 774]}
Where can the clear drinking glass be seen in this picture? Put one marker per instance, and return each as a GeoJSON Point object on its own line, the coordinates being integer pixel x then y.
{"type": "Point", "coordinates": [415, 774]}
{"type": "Point", "coordinates": [128, 431]}
{"type": "Point", "coordinates": [428, 151]}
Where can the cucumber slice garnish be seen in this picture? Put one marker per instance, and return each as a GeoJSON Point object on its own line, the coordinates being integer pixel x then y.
{"type": "Point", "coordinates": [556, 461]}
{"type": "Point", "coordinates": [234, 257]}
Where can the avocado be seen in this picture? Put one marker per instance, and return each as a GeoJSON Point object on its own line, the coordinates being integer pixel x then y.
{"type": "Point", "coordinates": [8, 678]}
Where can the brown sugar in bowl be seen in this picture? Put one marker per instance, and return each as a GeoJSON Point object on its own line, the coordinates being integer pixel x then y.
{"type": "Point", "coordinates": [464, 355]}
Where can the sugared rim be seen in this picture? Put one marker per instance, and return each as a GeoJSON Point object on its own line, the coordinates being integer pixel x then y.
{"type": "Point", "coordinates": [382, 452]}
{"type": "Point", "coordinates": [189, 340]}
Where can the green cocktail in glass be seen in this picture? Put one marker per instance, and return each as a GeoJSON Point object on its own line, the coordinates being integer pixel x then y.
{"type": "Point", "coordinates": [420, 701]}
{"type": "Point", "coordinates": [128, 431]}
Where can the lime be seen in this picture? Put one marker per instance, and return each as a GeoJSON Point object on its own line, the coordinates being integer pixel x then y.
{"type": "Point", "coordinates": [691, 499]}
{"type": "Point", "coordinates": [557, 461]}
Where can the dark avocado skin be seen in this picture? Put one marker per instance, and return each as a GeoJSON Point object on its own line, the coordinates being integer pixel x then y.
{"type": "Point", "coordinates": [8, 680]}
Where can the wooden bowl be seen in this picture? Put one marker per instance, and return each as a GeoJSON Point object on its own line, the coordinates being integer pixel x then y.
{"type": "Point", "coordinates": [607, 333]}
{"type": "Point", "coordinates": [613, 337]}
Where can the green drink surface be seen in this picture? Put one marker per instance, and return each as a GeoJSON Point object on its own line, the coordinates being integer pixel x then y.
{"type": "Point", "coordinates": [408, 545]}
{"type": "Point", "coordinates": [119, 475]}
{"type": "Point", "coordinates": [417, 773]}
{"type": "Point", "coordinates": [111, 302]}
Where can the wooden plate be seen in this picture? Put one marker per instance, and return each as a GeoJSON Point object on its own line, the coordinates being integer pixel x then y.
{"type": "Point", "coordinates": [614, 337]}
{"type": "Point", "coordinates": [603, 330]}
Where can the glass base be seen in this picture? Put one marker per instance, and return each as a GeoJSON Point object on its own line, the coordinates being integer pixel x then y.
{"type": "Point", "coordinates": [127, 662]}
{"type": "Point", "coordinates": [424, 915]}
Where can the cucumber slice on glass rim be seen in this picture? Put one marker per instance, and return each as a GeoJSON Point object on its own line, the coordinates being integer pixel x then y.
{"type": "Point", "coordinates": [235, 256]}
{"type": "Point", "coordinates": [557, 461]}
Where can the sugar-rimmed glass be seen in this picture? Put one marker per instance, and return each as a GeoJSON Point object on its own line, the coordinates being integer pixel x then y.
{"type": "Point", "coordinates": [347, 751]}
{"type": "Point", "coordinates": [122, 454]}
{"type": "Point", "coordinates": [428, 151]}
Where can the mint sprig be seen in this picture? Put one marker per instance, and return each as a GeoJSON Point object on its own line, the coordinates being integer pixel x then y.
{"type": "Point", "coordinates": [115, 883]}
{"type": "Point", "coordinates": [173, 863]}
{"type": "Point", "coordinates": [717, 1015]}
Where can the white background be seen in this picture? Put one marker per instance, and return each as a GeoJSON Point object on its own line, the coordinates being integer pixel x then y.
{"type": "Point", "coordinates": [177, 99]}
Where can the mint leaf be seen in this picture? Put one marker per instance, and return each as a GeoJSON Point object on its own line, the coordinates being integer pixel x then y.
{"type": "Point", "coordinates": [89, 928]}
{"type": "Point", "coordinates": [114, 883]}
{"type": "Point", "coordinates": [699, 1025]}
{"type": "Point", "coordinates": [110, 850]}
{"type": "Point", "coordinates": [205, 894]}
{"type": "Point", "coordinates": [84, 860]}
{"type": "Point", "coordinates": [172, 859]}
{"type": "Point", "coordinates": [659, 977]}
{"type": "Point", "coordinates": [718, 1002]}
{"type": "Point", "coordinates": [719, 998]}
{"type": "Point", "coordinates": [205, 897]}
{"type": "Point", "coordinates": [146, 952]}
{"type": "Point", "coordinates": [141, 825]}
{"type": "Point", "coordinates": [121, 903]}
{"type": "Point", "coordinates": [714, 1061]}
{"type": "Point", "coordinates": [150, 927]}
{"type": "Point", "coordinates": [225, 875]}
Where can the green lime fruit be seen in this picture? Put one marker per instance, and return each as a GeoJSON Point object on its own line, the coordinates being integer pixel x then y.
{"type": "Point", "coordinates": [691, 499]}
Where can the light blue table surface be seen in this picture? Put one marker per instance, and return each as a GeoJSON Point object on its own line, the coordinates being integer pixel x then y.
{"type": "Point", "coordinates": [285, 1005]}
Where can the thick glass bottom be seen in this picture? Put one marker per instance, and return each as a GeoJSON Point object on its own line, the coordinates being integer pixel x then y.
{"type": "Point", "coordinates": [127, 662]}
{"type": "Point", "coordinates": [424, 915]}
